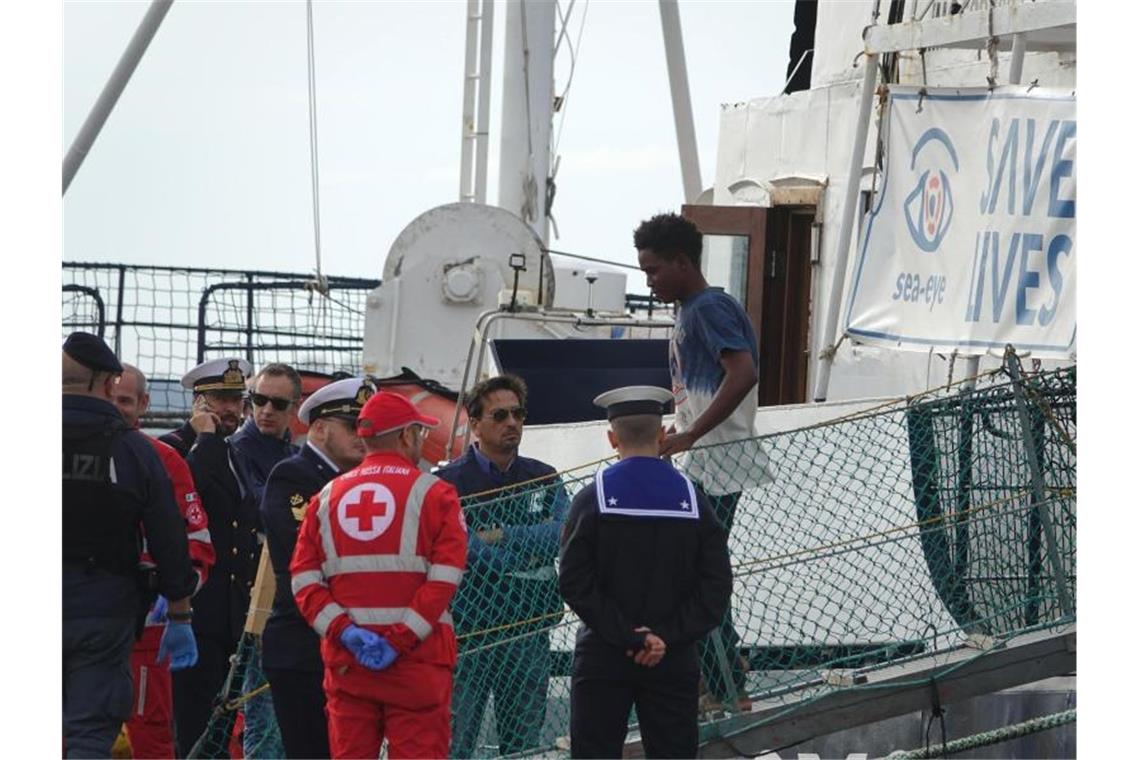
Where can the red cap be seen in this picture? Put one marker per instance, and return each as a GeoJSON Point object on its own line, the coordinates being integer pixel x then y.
{"type": "Point", "coordinates": [387, 411]}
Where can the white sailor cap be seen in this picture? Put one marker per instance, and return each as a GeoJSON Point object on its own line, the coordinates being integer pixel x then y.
{"type": "Point", "coordinates": [635, 399]}
{"type": "Point", "coordinates": [342, 398]}
{"type": "Point", "coordinates": [228, 374]}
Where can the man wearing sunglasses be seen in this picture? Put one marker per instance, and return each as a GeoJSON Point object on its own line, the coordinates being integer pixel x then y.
{"type": "Point", "coordinates": [222, 603]}
{"type": "Point", "coordinates": [511, 589]}
{"type": "Point", "coordinates": [258, 445]}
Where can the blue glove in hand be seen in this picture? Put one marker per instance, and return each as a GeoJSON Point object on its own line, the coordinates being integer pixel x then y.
{"type": "Point", "coordinates": [157, 611]}
{"type": "Point", "coordinates": [370, 649]}
{"type": "Point", "coordinates": [178, 645]}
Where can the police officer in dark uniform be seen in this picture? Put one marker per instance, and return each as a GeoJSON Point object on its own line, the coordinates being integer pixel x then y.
{"type": "Point", "coordinates": [645, 565]}
{"type": "Point", "coordinates": [290, 648]}
{"type": "Point", "coordinates": [113, 482]}
{"type": "Point", "coordinates": [222, 603]}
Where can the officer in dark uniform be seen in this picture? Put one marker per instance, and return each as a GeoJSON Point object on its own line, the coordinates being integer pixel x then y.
{"type": "Point", "coordinates": [113, 482]}
{"type": "Point", "coordinates": [290, 648]}
{"type": "Point", "coordinates": [222, 603]}
{"type": "Point", "coordinates": [645, 565]}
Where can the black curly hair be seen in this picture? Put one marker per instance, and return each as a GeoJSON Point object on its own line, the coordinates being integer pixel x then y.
{"type": "Point", "coordinates": [505, 382]}
{"type": "Point", "coordinates": [669, 236]}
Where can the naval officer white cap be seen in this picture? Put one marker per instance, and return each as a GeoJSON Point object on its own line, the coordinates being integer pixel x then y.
{"type": "Point", "coordinates": [342, 398]}
{"type": "Point", "coordinates": [635, 399]}
{"type": "Point", "coordinates": [228, 374]}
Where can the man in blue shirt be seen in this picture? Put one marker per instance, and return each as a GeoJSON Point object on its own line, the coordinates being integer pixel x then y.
{"type": "Point", "coordinates": [714, 365]}
{"type": "Point", "coordinates": [509, 598]}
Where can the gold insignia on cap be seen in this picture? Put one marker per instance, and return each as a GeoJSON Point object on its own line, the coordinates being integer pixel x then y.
{"type": "Point", "coordinates": [296, 499]}
{"type": "Point", "coordinates": [363, 394]}
{"type": "Point", "coordinates": [233, 375]}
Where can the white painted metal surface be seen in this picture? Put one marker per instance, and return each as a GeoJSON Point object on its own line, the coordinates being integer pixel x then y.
{"type": "Point", "coordinates": [447, 266]}
{"type": "Point", "coordinates": [528, 102]}
{"type": "Point", "coordinates": [682, 104]}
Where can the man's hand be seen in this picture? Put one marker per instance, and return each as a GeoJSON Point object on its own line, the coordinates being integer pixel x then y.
{"type": "Point", "coordinates": [203, 420]}
{"type": "Point", "coordinates": [675, 443]}
{"type": "Point", "coordinates": [370, 649]}
{"type": "Point", "coordinates": [490, 537]}
{"type": "Point", "coordinates": [652, 651]}
{"type": "Point", "coordinates": [178, 646]}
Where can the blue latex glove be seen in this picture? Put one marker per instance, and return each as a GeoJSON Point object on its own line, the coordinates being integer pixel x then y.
{"type": "Point", "coordinates": [157, 611]}
{"type": "Point", "coordinates": [370, 649]}
{"type": "Point", "coordinates": [178, 645]}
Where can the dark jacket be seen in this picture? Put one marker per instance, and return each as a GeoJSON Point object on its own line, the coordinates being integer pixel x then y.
{"type": "Point", "coordinates": [220, 606]}
{"type": "Point", "coordinates": [514, 579]}
{"type": "Point", "coordinates": [140, 477]}
{"type": "Point", "coordinates": [288, 641]}
{"type": "Point", "coordinates": [256, 454]}
{"type": "Point", "coordinates": [620, 572]}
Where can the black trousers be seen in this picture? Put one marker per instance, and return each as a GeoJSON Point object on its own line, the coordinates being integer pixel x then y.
{"type": "Point", "coordinates": [195, 689]}
{"type": "Point", "coordinates": [606, 684]}
{"type": "Point", "coordinates": [97, 686]}
{"type": "Point", "coordinates": [299, 704]}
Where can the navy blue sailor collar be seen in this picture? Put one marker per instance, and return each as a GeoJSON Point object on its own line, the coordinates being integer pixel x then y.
{"type": "Point", "coordinates": [645, 487]}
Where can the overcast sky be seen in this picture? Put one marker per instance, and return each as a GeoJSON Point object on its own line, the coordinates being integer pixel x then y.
{"type": "Point", "coordinates": [205, 160]}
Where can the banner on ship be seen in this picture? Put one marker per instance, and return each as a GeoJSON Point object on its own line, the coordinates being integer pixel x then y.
{"type": "Point", "coordinates": [972, 240]}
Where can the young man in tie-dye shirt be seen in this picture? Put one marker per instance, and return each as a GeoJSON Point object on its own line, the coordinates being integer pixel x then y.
{"type": "Point", "coordinates": [714, 365]}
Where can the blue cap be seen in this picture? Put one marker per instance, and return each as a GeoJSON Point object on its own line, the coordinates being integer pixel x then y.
{"type": "Point", "coordinates": [90, 351]}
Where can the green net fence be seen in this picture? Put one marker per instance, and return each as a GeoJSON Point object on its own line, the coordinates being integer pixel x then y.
{"type": "Point", "coordinates": [887, 535]}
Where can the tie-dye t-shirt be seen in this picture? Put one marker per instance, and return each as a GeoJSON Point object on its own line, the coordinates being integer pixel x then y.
{"type": "Point", "coordinates": [708, 324]}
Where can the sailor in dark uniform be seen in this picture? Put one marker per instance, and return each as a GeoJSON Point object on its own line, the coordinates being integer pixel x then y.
{"type": "Point", "coordinates": [222, 603]}
{"type": "Point", "coordinates": [290, 648]}
{"type": "Point", "coordinates": [645, 565]}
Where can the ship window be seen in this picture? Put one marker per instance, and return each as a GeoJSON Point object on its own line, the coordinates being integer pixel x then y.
{"type": "Point", "coordinates": [724, 263]}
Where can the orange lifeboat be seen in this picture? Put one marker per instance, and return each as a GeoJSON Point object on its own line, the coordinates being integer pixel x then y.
{"type": "Point", "coordinates": [428, 396]}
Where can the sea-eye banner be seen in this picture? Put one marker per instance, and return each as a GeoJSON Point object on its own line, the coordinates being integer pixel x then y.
{"type": "Point", "coordinates": [971, 242]}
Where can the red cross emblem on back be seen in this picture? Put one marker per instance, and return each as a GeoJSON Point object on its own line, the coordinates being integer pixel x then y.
{"type": "Point", "coordinates": [366, 510]}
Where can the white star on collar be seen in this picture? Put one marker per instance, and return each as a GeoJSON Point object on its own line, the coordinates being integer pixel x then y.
{"type": "Point", "coordinates": [612, 501]}
{"type": "Point", "coordinates": [684, 504]}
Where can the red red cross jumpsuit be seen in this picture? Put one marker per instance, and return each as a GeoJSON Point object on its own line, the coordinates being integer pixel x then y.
{"type": "Point", "coordinates": [384, 546]}
{"type": "Point", "coordinates": [150, 726]}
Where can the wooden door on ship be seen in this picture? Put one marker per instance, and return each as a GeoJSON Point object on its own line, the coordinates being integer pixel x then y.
{"type": "Point", "coordinates": [762, 257]}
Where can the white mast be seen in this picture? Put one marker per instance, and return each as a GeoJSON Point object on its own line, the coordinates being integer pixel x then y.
{"type": "Point", "coordinates": [528, 102]}
{"type": "Point", "coordinates": [682, 105]}
{"type": "Point", "coordinates": [476, 114]}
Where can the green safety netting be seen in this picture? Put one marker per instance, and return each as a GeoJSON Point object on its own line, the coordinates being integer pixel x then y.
{"type": "Point", "coordinates": [893, 532]}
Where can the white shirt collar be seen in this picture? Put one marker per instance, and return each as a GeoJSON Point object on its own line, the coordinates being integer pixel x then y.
{"type": "Point", "coordinates": [322, 455]}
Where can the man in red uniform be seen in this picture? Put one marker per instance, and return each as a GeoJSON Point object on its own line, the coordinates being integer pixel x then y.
{"type": "Point", "coordinates": [150, 726]}
{"type": "Point", "coordinates": [379, 556]}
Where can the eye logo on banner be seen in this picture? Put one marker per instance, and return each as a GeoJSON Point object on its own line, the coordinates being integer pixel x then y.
{"type": "Point", "coordinates": [930, 206]}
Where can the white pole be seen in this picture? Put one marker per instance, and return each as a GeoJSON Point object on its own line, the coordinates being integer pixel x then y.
{"type": "Point", "coordinates": [113, 89]}
{"type": "Point", "coordinates": [1016, 62]}
{"type": "Point", "coordinates": [1017, 59]}
{"type": "Point", "coordinates": [470, 78]}
{"type": "Point", "coordinates": [528, 103]}
{"type": "Point", "coordinates": [682, 105]}
{"type": "Point", "coordinates": [848, 219]}
{"type": "Point", "coordinates": [487, 26]}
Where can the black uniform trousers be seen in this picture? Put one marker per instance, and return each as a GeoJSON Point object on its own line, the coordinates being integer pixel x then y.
{"type": "Point", "coordinates": [299, 704]}
{"type": "Point", "coordinates": [97, 686]}
{"type": "Point", "coordinates": [606, 684]}
{"type": "Point", "coordinates": [196, 688]}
